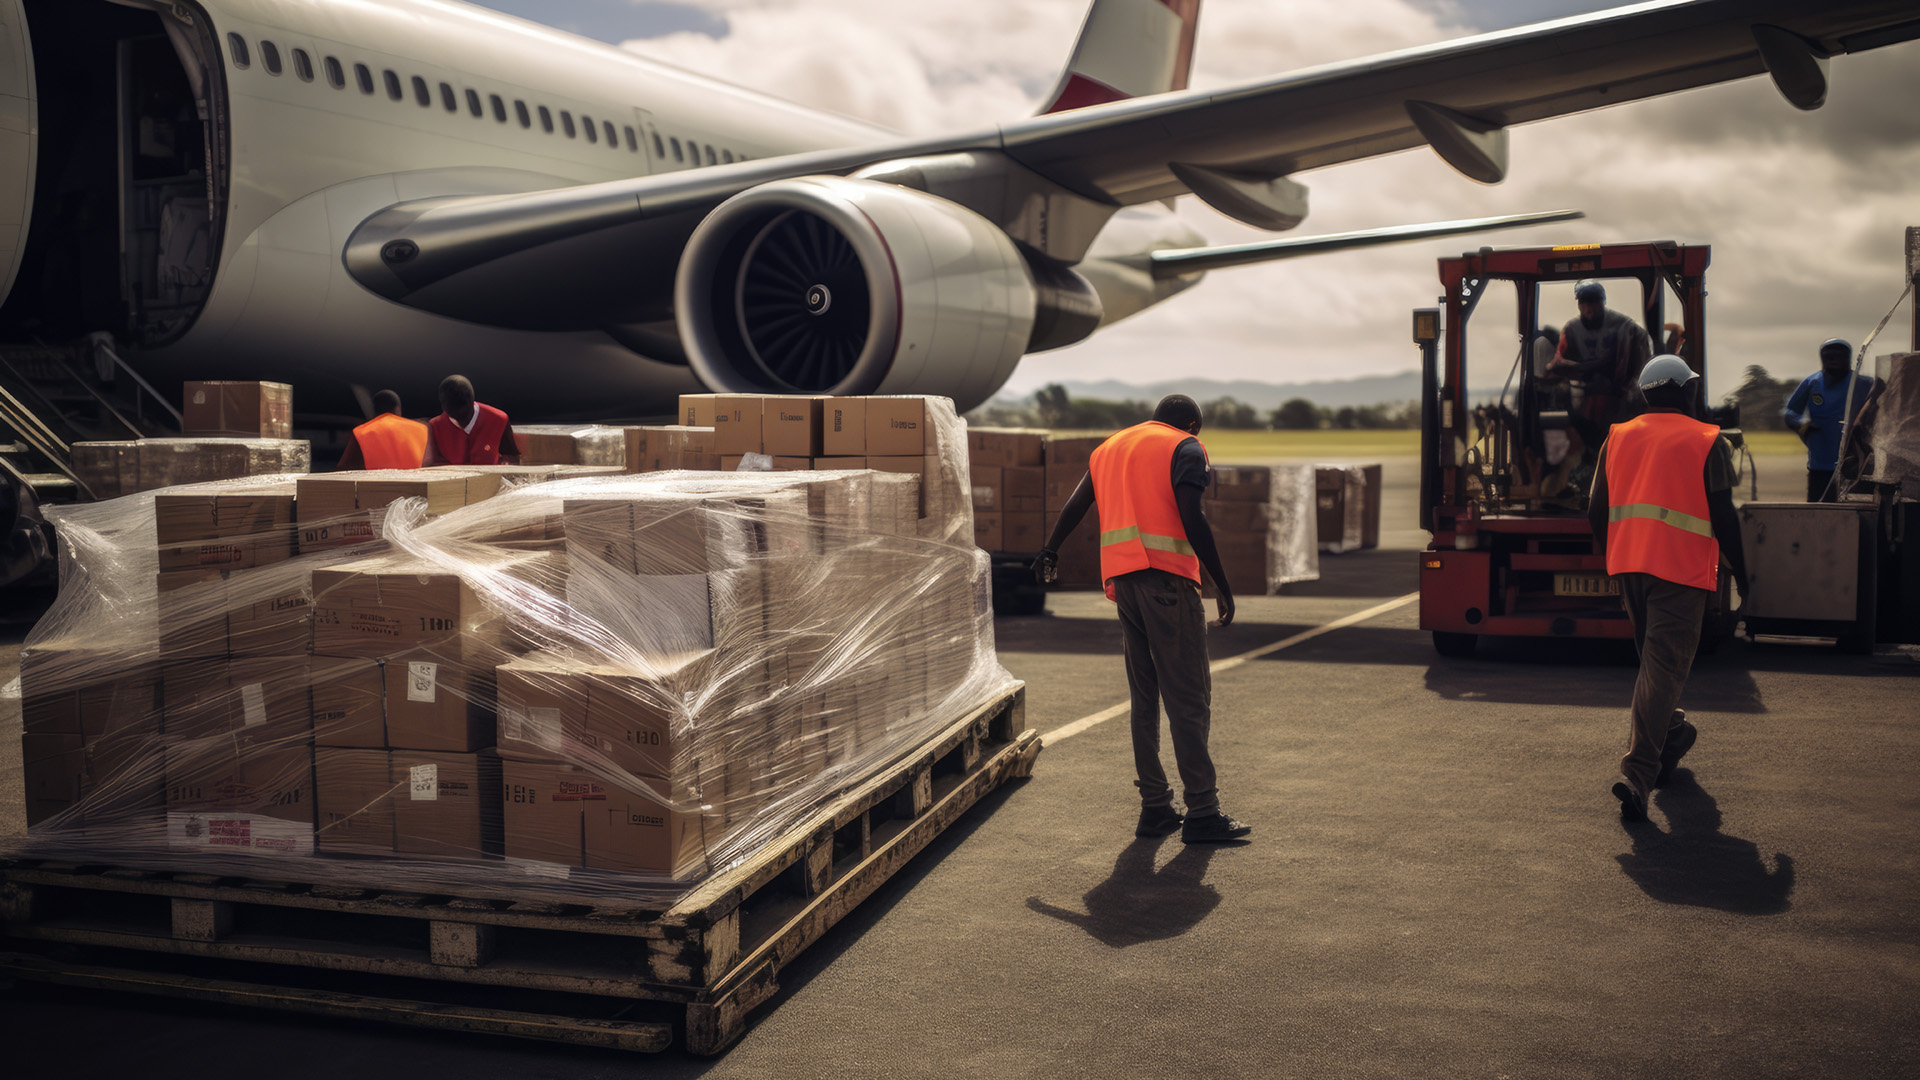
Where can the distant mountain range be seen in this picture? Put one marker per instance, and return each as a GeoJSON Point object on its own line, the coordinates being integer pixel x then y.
{"type": "Point", "coordinates": [1367, 390]}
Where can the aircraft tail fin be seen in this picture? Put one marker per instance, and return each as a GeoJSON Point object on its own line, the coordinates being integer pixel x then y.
{"type": "Point", "coordinates": [1128, 48]}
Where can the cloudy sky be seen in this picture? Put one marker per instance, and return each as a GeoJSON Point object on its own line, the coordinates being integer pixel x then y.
{"type": "Point", "coordinates": [1805, 211]}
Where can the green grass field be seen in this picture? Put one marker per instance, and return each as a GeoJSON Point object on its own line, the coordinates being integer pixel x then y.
{"type": "Point", "coordinates": [1251, 446]}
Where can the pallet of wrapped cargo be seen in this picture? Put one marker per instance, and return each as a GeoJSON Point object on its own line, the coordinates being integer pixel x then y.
{"type": "Point", "coordinates": [130, 466]}
{"type": "Point", "coordinates": [697, 694]}
{"type": "Point", "coordinates": [1347, 507]}
{"type": "Point", "coordinates": [665, 448]}
{"type": "Point", "coordinates": [570, 444]}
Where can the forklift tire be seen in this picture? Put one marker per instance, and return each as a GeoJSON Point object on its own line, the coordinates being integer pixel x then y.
{"type": "Point", "coordinates": [1458, 646]}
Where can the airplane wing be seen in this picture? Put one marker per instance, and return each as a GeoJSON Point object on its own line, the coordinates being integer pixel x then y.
{"type": "Point", "coordinates": [1174, 262]}
{"type": "Point", "coordinates": [521, 260]}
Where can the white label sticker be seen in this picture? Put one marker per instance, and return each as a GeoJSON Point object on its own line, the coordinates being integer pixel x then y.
{"type": "Point", "coordinates": [199, 397]}
{"type": "Point", "coordinates": [755, 463]}
{"type": "Point", "coordinates": [423, 782]}
{"type": "Point", "coordinates": [543, 728]}
{"type": "Point", "coordinates": [420, 680]}
{"type": "Point", "coordinates": [253, 703]}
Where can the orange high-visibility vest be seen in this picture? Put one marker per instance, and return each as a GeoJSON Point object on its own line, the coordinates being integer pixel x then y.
{"type": "Point", "coordinates": [482, 447]}
{"type": "Point", "coordinates": [391, 442]}
{"type": "Point", "coordinates": [1657, 517]}
{"type": "Point", "coordinates": [1140, 525]}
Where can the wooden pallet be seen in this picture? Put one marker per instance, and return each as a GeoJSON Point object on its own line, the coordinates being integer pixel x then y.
{"type": "Point", "coordinates": [595, 973]}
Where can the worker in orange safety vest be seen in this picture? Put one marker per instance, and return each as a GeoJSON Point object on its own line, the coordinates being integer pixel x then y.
{"type": "Point", "coordinates": [1147, 482]}
{"type": "Point", "coordinates": [388, 441]}
{"type": "Point", "coordinates": [1662, 512]}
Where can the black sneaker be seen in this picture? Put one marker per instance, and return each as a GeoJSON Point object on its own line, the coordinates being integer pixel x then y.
{"type": "Point", "coordinates": [1158, 821]}
{"type": "Point", "coordinates": [1679, 741]}
{"type": "Point", "coordinates": [1633, 805]}
{"type": "Point", "coordinates": [1212, 829]}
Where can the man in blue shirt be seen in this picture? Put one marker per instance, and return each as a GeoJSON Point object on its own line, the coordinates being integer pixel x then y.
{"type": "Point", "coordinates": [1814, 413]}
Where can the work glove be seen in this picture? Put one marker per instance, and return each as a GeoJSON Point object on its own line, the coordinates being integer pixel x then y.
{"type": "Point", "coordinates": [1046, 566]}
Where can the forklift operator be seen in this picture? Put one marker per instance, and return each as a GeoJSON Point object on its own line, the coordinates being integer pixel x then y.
{"type": "Point", "coordinates": [1604, 350]}
{"type": "Point", "coordinates": [1662, 513]}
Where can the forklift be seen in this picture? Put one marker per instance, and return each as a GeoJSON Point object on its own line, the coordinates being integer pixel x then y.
{"type": "Point", "coordinates": [1512, 554]}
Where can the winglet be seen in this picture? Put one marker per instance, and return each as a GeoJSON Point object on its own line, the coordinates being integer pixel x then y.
{"type": "Point", "coordinates": [1128, 48]}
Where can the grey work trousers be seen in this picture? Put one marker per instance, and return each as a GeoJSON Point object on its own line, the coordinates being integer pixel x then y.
{"type": "Point", "coordinates": [1666, 629]}
{"type": "Point", "coordinates": [1164, 627]}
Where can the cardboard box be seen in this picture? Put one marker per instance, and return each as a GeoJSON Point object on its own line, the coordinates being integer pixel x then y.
{"type": "Point", "coordinates": [436, 704]}
{"type": "Point", "coordinates": [225, 527]}
{"type": "Point", "coordinates": [736, 424]}
{"type": "Point", "coordinates": [1006, 447]}
{"type": "Point", "coordinates": [248, 409]}
{"type": "Point", "coordinates": [258, 778]}
{"type": "Point", "coordinates": [543, 709]}
{"type": "Point", "coordinates": [631, 717]}
{"type": "Point", "coordinates": [1347, 507]}
{"type": "Point", "coordinates": [1236, 517]}
{"type": "Point", "coordinates": [1061, 484]}
{"type": "Point", "coordinates": [839, 464]}
{"type": "Point", "coordinates": [55, 768]}
{"type": "Point", "coordinates": [790, 426]}
{"type": "Point", "coordinates": [353, 801]}
{"type": "Point", "coordinates": [349, 702]}
{"type": "Point", "coordinates": [543, 810]}
{"type": "Point", "coordinates": [191, 609]}
{"type": "Point", "coordinates": [843, 427]}
{"type": "Point", "coordinates": [570, 444]}
{"type": "Point", "coordinates": [1025, 532]}
{"type": "Point", "coordinates": [124, 467]}
{"type": "Point", "coordinates": [446, 803]}
{"type": "Point", "coordinates": [1023, 489]}
{"type": "Point", "coordinates": [699, 410]}
{"type": "Point", "coordinates": [1241, 483]}
{"type": "Point", "coordinates": [898, 427]}
{"type": "Point", "coordinates": [657, 449]}
{"type": "Point", "coordinates": [1066, 450]}
{"type": "Point", "coordinates": [342, 508]}
{"type": "Point", "coordinates": [391, 604]}
{"type": "Point", "coordinates": [634, 832]}
{"type": "Point", "coordinates": [279, 619]}
{"type": "Point", "coordinates": [265, 699]}
{"type": "Point", "coordinates": [988, 531]}
{"type": "Point", "coordinates": [987, 483]}
{"type": "Point", "coordinates": [920, 467]}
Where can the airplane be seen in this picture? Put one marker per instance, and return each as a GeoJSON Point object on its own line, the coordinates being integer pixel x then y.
{"type": "Point", "coordinates": [349, 195]}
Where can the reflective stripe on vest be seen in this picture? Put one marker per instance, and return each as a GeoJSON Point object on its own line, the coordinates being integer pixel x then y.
{"type": "Point", "coordinates": [1140, 526]}
{"type": "Point", "coordinates": [1658, 521]}
{"type": "Point", "coordinates": [391, 442]}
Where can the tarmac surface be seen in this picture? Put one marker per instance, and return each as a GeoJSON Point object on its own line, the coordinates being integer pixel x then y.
{"type": "Point", "coordinates": [1438, 884]}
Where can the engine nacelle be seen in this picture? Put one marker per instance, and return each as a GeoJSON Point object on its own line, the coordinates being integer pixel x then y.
{"type": "Point", "coordinates": [823, 284]}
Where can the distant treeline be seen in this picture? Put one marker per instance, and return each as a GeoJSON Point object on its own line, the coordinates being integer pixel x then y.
{"type": "Point", "coordinates": [1760, 397]}
{"type": "Point", "coordinates": [1052, 407]}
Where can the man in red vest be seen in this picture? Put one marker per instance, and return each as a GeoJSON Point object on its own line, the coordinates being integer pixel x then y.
{"type": "Point", "coordinates": [388, 441]}
{"type": "Point", "coordinates": [467, 432]}
{"type": "Point", "coordinates": [1662, 511]}
{"type": "Point", "coordinates": [1147, 482]}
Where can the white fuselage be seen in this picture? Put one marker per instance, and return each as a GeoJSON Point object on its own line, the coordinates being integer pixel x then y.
{"type": "Point", "coordinates": [310, 160]}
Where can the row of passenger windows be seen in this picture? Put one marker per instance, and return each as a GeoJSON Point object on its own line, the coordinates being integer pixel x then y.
{"type": "Point", "coordinates": [689, 152]}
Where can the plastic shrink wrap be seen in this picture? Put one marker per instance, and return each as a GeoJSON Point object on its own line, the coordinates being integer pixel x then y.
{"type": "Point", "coordinates": [451, 680]}
{"type": "Point", "coordinates": [130, 466]}
{"type": "Point", "coordinates": [571, 444]}
{"type": "Point", "coordinates": [1894, 426]}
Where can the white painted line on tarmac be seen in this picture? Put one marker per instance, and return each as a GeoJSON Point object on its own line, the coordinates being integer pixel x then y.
{"type": "Point", "coordinates": [1068, 731]}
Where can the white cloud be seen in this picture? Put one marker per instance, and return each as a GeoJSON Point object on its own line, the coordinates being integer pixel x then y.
{"type": "Point", "coordinates": [1805, 211]}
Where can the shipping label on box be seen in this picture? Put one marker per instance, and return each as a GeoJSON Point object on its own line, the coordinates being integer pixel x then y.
{"type": "Point", "coordinates": [543, 806]}
{"type": "Point", "coordinates": [446, 803]}
{"type": "Point", "coordinates": [897, 427]}
{"type": "Point", "coordinates": [843, 427]}
{"type": "Point", "coordinates": [736, 424]}
{"type": "Point", "coordinates": [353, 795]}
{"type": "Point", "coordinates": [790, 426]}
{"type": "Point", "coordinates": [543, 709]}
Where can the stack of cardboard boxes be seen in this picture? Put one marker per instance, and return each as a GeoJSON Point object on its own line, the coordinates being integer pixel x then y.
{"type": "Point", "coordinates": [1238, 508]}
{"type": "Point", "coordinates": [1066, 464]}
{"type": "Point", "coordinates": [570, 444]}
{"type": "Point", "coordinates": [1009, 476]}
{"type": "Point", "coordinates": [232, 429]}
{"type": "Point", "coordinates": [668, 660]}
{"type": "Point", "coordinates": [670, 447]}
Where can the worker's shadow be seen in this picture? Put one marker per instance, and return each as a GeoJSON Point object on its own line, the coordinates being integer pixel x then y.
{"type": "Point", "coordinates": [1137, 903]}
{"type": "Point", "coordinates": [1695, 863]}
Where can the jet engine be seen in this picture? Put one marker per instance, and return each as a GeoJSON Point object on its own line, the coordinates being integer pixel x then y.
{"type": "Point", "coordinates": [823, 284]}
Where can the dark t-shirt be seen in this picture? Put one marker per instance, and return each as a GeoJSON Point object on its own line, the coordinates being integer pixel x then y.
{"type": "Point", "coordinates": [1190, 464]}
